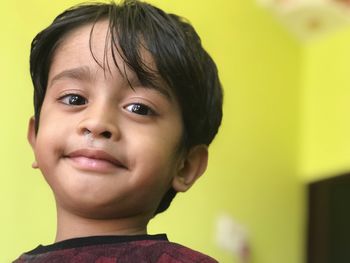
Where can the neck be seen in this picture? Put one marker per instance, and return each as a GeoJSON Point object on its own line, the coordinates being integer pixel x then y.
{"type": "Point", "coordinates": [73, 226]}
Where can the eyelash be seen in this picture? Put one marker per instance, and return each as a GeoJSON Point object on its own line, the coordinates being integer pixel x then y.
{"type": "Point", "coordinates": [73, 99]}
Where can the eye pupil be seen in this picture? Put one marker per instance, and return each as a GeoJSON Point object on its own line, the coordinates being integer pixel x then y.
{"type": "Point", "coordinates": [76, 100]}
{"type": "Point", "coordinates": [140, 109]}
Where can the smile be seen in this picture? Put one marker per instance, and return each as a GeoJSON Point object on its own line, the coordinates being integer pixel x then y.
{"type": "Point", "coordinates": [94, 160]}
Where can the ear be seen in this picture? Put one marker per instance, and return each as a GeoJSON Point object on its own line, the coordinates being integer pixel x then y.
{"type": "Point", "coordinates": [193, 166]}
{"type": "Point", "coordinates": [31, 136]}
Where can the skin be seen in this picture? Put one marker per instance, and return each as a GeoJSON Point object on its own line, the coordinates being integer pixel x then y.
{"type": "Point", "coordinates": [108, 152]}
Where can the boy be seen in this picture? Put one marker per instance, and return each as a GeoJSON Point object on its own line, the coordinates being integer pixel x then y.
{"type": "Point", "coordinates": [126, 103]}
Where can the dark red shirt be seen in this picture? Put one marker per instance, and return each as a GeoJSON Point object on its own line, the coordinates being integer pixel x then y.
{"type": "Point", "coordinates": [114, 249]}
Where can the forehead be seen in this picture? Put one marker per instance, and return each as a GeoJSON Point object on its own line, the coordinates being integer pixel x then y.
{"type": "Point", "coordinates": [95, 44]}
{"type": "Point", "coordinates": [92, 42]}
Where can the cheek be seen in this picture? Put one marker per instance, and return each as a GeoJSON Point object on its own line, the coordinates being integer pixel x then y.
{"type": "Point", "coordinates": [157, 145]}
{"type": "Point", "coordinates": [156, 162]}
{"type": "Point", "coordinates": [44, 156]}
{"type": "Point", "coordinates": [49, 143]}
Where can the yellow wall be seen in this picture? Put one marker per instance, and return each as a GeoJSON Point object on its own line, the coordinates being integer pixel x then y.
{"type": "Point", "coordinates": [253, 171]}
{"type": "Point", "coordinates": [325, 125]}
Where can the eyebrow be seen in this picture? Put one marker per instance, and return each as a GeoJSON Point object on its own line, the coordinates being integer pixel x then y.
{"type": "Point", "coordinates": [132, 79]}
{"type": "Point", "coordinates": [80, 73]}
{"type": "Point", "coordinates": [84, 73]}
{"type": "Point", "coordinates": [162, 91]}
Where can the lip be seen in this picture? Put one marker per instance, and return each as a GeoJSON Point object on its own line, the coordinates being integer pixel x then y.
{"type": "Point", "coordinates": [94, 160]}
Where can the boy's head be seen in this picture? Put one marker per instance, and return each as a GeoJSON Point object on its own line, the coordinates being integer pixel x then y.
{"type": "Point", "coordinates": [165, 102]}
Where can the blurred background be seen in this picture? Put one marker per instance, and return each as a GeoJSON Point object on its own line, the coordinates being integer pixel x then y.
{"type": "Point", "coordinates": [284, 66]}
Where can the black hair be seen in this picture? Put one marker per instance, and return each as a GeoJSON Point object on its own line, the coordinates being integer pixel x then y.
{"type": "Point", "coordinates": [181, 62]}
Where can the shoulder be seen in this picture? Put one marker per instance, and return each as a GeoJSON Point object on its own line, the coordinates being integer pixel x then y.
{"type": "Point", "coordinates": [176, 253]}
{"type": "Point", "coordinates": [155, 249]}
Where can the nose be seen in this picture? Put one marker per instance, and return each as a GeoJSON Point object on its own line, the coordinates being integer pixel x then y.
{"type": "Point", "coordinates": [100, 123]}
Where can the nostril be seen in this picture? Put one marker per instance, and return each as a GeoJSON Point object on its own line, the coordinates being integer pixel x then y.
{"type": "Point", "coordinates": [106, 134]}
{"type": "Point", "coordinates": [86, 131]}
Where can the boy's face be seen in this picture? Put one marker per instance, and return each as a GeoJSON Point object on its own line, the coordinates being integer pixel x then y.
{"type": "Point", "coordinates": [105, 149]}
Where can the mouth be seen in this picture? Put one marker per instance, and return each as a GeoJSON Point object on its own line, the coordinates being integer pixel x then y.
{"type": "Point", "coordinates": [94, 160]}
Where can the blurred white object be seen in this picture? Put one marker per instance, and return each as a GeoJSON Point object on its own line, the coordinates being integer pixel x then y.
{"type": "Point", "coordinates": [310, 18]}
{"type": "Point", "coordinates": [233, 237]}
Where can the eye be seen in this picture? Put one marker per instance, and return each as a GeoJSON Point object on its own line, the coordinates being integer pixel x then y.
{"type": "Point", "coordinates": [140, 109]}
{"type": "Point", "coordinates": [73, 99]}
